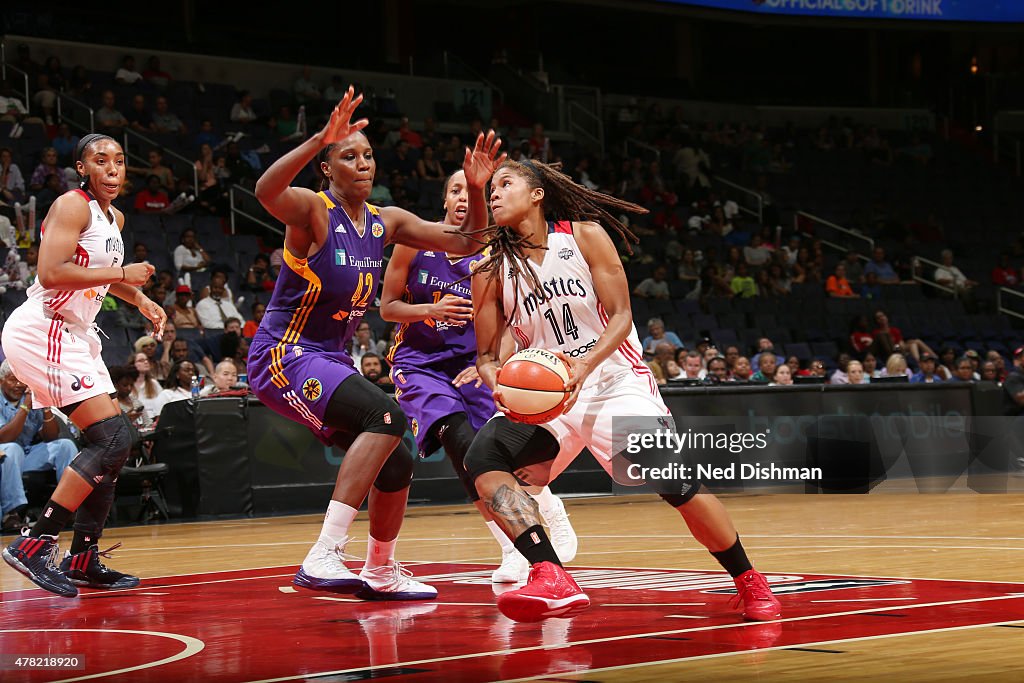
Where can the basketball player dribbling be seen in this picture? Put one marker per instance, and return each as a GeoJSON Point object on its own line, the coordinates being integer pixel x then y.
{"type": "Point", "coordinates": [433, 366]}
{"type": "Point", "coordinates": [561, 286]}
{"type": "Point", "coordinates": [299, 365]}
{"type": "Point", "coordinates": [53, 347]}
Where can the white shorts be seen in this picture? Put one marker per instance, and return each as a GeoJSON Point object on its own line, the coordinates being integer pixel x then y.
{"type": "Point", "coordinates": [59, 361]}
{"type": "Point", "coordinates": [616, 394]}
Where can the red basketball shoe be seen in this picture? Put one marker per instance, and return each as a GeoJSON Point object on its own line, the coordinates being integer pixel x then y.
{"type": "Point", "coordinates": [758, 602]}
{"type": "Point", "coordinates": [549, 592]}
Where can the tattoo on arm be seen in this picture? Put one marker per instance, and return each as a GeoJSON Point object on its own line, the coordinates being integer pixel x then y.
{"type": "Point", "coordinates": [515, 509]}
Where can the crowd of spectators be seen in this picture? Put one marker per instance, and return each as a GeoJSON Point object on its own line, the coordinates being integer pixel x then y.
{"type": "Point", "coordinates": [696, 245]}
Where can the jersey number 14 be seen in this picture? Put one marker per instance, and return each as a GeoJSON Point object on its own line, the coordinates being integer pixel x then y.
{"type": "Point", "coordinates": [568, 324]}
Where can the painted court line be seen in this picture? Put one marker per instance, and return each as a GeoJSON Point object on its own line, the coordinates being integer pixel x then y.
{"type": "Point", "coordinates": [634, 636]}
{"type": "Point", "coordinates": [762, 649]}
{"type": "Point", "coordinates": [192, 646]}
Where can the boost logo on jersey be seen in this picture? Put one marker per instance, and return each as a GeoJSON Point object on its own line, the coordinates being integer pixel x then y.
{"type": "Point", "coordinates": [312, 389]}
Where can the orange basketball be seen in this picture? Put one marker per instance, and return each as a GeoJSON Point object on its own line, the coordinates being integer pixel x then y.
{"type": "Point", "coordinates": [532, 384]}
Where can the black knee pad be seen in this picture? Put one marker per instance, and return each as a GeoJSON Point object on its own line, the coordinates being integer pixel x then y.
{"type": "Point", "coordinates": [677, 499]}
{"type": "Point", "coordinates": [389, 418]}
{"type": "Point", "coordinates": [457, 436]}
{"type": "Point", "coordinates": [505, 446]}
{"type": "Point", "coordinates": [91, 516]}
{"type": "Point", "coordinates": [396, 474]}
{"type": "Point", "coordinates": [110, 443]}
{"type": "Point", "coordinates": [358, 406]}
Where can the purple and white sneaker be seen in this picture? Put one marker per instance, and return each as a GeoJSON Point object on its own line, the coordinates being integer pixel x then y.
{"type": "Point", "coordinates": [324, 568]}
{"type": "Point", "coordinates": [393, 582]}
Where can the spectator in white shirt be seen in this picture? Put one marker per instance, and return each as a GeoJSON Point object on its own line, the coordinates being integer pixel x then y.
{"type": "Point", "coordinates": [756, 254]}
{"type": "Point", "coordinates": [214, 310]}
{"type": "Point", "coordinates": [127, 75]}
{"type": "Point", "coordinates": [950, 276]}
{"type": "Point", "coordinates": [654, 287]}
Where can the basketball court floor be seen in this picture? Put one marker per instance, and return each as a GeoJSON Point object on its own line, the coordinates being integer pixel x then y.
{"type": "Point", "coordinates": [903, 587]}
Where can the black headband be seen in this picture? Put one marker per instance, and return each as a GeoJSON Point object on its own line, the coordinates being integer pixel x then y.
{"type": "Point", "coordinates": [86, 141]}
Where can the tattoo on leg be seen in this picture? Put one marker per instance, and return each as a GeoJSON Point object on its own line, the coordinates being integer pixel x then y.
{"type": "Point", "coordinates": [514, 508]}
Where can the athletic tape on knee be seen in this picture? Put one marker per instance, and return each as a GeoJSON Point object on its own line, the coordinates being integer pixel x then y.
{"type": "Point", "coordinates": [110, 443]}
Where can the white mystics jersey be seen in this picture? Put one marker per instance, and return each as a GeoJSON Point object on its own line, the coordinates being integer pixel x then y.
{"type": "Point", "coordinates": [99, 246]}
{"type": "Point", "coordinates": [565, 314]}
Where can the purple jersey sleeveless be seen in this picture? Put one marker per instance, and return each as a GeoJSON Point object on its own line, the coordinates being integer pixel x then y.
{"type": "Point", "coordinates": [428, 355]}
{"type": "Point", "coordinates": [299, 354]}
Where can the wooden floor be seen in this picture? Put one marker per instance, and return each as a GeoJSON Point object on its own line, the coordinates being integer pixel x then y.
{"type": "Point", "coordinates": [965, 537]}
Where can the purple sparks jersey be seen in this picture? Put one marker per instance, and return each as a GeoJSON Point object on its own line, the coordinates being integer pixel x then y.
{"type": "Point", "coordinates": [429, 355]}
{"type": "Point", "coordinates": [433, 343]}
{"type": "Point", "coordinates": [299, 355]}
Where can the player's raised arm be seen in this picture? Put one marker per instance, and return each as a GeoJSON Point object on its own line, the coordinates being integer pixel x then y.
{"type": "Point", "coordinates": [294, 205]}
{"type": "Point", "coordinates": [409, 229]}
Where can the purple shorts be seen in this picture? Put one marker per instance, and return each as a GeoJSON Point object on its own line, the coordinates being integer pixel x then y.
{"type": "Point", "coordinates": [427, 396]}
{"type": "Point", "coordinates": [301, 385]}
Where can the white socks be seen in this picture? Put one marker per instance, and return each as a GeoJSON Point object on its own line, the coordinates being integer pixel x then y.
{"type": "Point", "coordinates": [337, 521]}
{"type": "Point", "coordinates": [504, 541]}
{"type": "Point", "coordinates": [379, 553]}
{"type": "Point", "coordinates": [545, 499]}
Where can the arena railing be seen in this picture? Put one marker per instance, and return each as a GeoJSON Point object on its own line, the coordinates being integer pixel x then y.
{"type": "Point", "coordinates": [846, 239]}
{"type": "Point", "coordinates": [4, 68]}
{"type": "Point", "coordinates": [129, 134]}
{"type": "Point", "coordinates": [1002, 308]}
{"type": "Point", "coordinates": [70, 119]}
{"type": "Point", "coordinates": [237, 210]}
{"type": "Point", "coordinates": [579, 110]}
{"type": "Point", "coordinates": [918, 261]}
{"type": "Point", "coordinates": [757, 212]}
{"type": "Point", "coordinates": [450, 62]}
{"type": "Point", "coordinates": [633, 142]}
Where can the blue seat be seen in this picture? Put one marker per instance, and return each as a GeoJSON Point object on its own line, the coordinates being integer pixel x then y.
{"type": "Point", "coordinates": [827, 349]}
{"type": "Point", "coordinates": [799, 349]}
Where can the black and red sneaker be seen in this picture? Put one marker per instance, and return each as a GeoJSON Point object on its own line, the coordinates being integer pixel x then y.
{"type": "Point", "coordinates": [550, 592]}
{"type": "Point", "coordinates": [34, 557]}
{"type": "Point", "coordinates": [85, 569]}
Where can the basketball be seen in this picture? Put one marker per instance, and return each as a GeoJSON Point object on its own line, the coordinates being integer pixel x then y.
{"type": "Point", "coordinates": [532, 384]}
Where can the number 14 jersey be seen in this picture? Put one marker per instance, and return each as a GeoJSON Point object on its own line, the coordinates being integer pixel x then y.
{"type": "Point", "coordinates": [565, 314]}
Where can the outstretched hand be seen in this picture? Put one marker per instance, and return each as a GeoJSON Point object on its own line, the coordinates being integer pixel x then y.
{"type": "Point", "coordinates": [481, 161]}
{"type": "Point", "coordinates": [340, 125]}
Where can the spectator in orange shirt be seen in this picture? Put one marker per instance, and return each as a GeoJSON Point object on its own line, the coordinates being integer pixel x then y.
{"type": "Point", "coordinates": [258, 310]}
{"type": "Point", "coordinates": [838, 286]}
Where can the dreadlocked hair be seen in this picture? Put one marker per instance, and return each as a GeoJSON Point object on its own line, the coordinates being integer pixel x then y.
{"type": "Point", "coordinates": [564, 199]}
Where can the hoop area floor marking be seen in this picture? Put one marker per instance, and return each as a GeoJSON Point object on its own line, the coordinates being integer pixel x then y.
{"type": "Point", "coordinates": [252, 630]}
